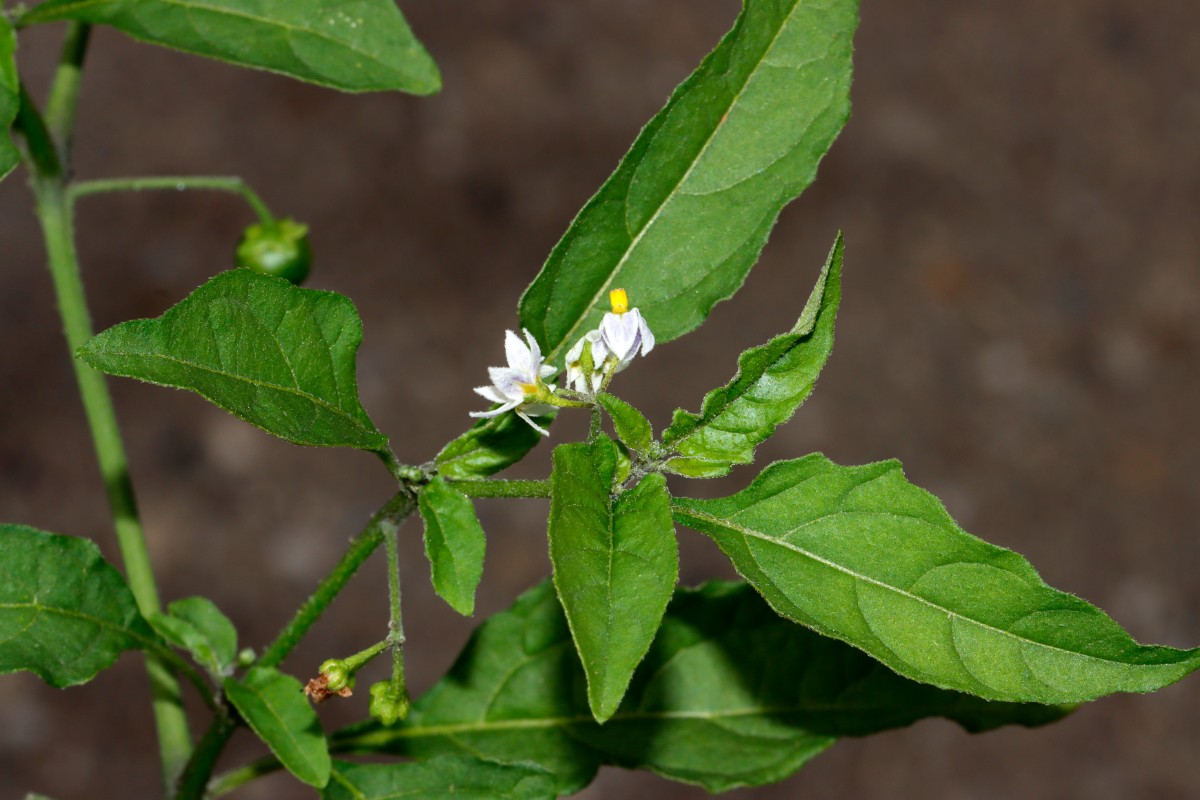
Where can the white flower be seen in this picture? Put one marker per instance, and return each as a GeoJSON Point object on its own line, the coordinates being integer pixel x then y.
{"type": "Point", "coordinates": [624, 332]}
{"type": "Point", "coordinates": [575, 376]}
{"type": "Point", "coordinates": [521, 384]}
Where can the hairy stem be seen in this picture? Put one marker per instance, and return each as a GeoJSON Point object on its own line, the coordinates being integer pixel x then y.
{"type": "Point", "coordinates": [177, 183]}
{"type": "Point", "coordinates": [502, 488]}
{"type": "Point", "coordinates": [363, 545]}
{"type": "Point", "coordinates": [195, 778]}
{"type": "Point", "coordinates": [54, 214]}
{"type": "Point", "coordinates": [395, 623]}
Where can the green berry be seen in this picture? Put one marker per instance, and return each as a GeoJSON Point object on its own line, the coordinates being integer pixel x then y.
{"type": "Point", "coordinates": [280, 250]}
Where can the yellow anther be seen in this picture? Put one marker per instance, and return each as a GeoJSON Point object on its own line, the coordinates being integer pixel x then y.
{"type": "Point", "coordinates": [619, 300]}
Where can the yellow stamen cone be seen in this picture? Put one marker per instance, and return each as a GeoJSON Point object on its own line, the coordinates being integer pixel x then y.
{"type": "Point", "coordinates": [619, 300]}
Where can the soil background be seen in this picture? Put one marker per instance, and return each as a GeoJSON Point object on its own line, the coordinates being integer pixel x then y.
{"type": "Point", "coordinates": [1019, 188]}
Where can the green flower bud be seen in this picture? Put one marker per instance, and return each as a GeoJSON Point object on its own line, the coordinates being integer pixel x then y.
{"type": "Point", "coordinates": [337, 675]}
{"type": "Point", "coordinates": [281, 250]}
{"type": "Point", "coordinates": [389, 702]}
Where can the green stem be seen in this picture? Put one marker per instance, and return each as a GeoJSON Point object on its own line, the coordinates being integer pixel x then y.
{"type": "Point", "coordinates": [64, 94]}
{"type": "Point", "coordinates": [193, 781]}
{"type": "Point", "coordinates": [54, 214]}
{"type": "Point", "coordinates": [235, 779]}
{"type": "Point", "coordinates": [387, 518]}
{"type": "Point", "coordinates": [178, 183]}
{"type": "Point", "coordinates": [395, 624]}
{"type": "Point", "coordinates": [501, 488]}
{"type": "Point", "coordinates": [38, 142]}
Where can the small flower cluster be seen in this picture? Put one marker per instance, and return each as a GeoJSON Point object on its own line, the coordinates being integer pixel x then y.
{"type": "Point", "coordinates": [591, 364]}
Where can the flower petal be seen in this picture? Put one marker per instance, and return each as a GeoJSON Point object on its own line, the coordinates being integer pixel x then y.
{"type": "Point", "coordinates": [519, 357]}
{"type": "Point", "coordinates": [491, 393]}
{"type": "Point", "coordinates": [533, 424]}
{"type": "Point", "coordinates": [647, 334]}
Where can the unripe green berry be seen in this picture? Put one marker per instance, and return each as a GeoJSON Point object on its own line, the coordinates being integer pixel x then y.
{"type": "Point", "coordinates": [281, 250]}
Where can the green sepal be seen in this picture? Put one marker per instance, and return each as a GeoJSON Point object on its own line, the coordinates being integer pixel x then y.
{"type": "Point", "coordinates": [389, 702]}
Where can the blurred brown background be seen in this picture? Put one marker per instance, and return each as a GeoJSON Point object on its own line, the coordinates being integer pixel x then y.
{"type": "Point", "coordinates": [1019, 188]}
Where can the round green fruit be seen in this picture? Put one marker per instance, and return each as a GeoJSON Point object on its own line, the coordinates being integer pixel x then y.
{"type": "Point", "coordinates": [280, 250]}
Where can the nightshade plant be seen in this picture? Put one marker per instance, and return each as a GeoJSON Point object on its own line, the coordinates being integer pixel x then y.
{"type": "Point", "coordinates": [864, 606]}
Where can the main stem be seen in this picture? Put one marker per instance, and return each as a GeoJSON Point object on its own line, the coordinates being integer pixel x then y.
{"type": "Point", "coordinates": [54, 213]}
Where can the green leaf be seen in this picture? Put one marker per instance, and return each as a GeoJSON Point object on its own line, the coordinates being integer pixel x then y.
{"type": "Point", "coordinates": [438, 778]}
{"type": "Point", "coordinates": [65, 613]}
{"type": "Point", "coordinates": [352, 45]}
{"type": "Point", "coordinates": [10, 97]}
{"type": "Point", "coordinates": [729, 695]}
{"type": "Point", "coordinates": [860, 554]}
{"type": "Point", "coordinates": [771, 383]}
{"type": "Point", "coordinates": [489, 446]}
{"type": "Point", "coordinates": [615, 564]}
{"type": "Point", "coordinates": [274, 706]}
{"type": "Point", "coordinates": [632, 428]}
{"type": "Point", "coordinates": [454, 543]}
{"type": "Point", "coordinates": [685, 215]}
{"type": "Point", "coordinates": [196, 625]}
{"type": "Point", "coordinates": [278, 356]}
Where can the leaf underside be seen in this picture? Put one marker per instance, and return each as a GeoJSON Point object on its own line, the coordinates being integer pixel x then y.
{"type": "Point", "coordinates": [860, 554]}
{"type": "Point", "coordinates": [351, 45]}
{"type": "Point", "coordinates": [65, 613]}
{"type": "Point", "coordinates": [685, 215]}
{"type": "Point", "coordinates": [729, 695]}
{"type": "Point", "coordinates": [278, 356]}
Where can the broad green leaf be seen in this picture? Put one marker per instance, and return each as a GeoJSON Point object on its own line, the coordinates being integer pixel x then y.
{"type": "Point", "coordinates": [489, 446]}
{"type": "Point", "coordinates": [352, 45]}
{"type": "Point", "coordinates": [685, 215]}
{"type": "Point", "coordinates": [729, 695]}
{"type": "Point", "coordinates": [771, 383]}
{"type": "Point", "coordinates": [196, 625]}
{"type": "Point", "coordinates": [10, 97]}
{"type": "Point", "coordinates": [454, 543]}
{"type": "Point", "coordinates": [65, 613]}
{"type": "Point", "coordinates": [278, 356]}
{"type": "Point", "coordinates": [615, 564]}
{"type": "Point", "coordinates": [436, 779]}
{"type": "Point", "coordinates": [860, 554]}
{"type": "Point", "coordinates": [275, 708]}
{"type": "Point", "coordinates": [632, 428]}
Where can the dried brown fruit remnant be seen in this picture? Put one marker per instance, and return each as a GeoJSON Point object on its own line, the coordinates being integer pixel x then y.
{"type": "Point", "coordinates": [318, 689]}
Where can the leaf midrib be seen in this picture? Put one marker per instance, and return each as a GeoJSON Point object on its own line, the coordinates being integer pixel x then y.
{"type": "Point", "coordinates": [298, 748]}
{"type": "Point", "coordinates": [295, 391]}
{"type": "Point", "coordinates": [674, 192]}
{"type": "Point", "coordinates": [749, 532]}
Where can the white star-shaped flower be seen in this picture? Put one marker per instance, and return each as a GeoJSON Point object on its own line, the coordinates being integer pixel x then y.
{"type": "Point", "coordinates": [575, 376]}
{"type": "Point", "coordinates": [521, 384]}
{"type": "Point", "coordinates": [624, 332]}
